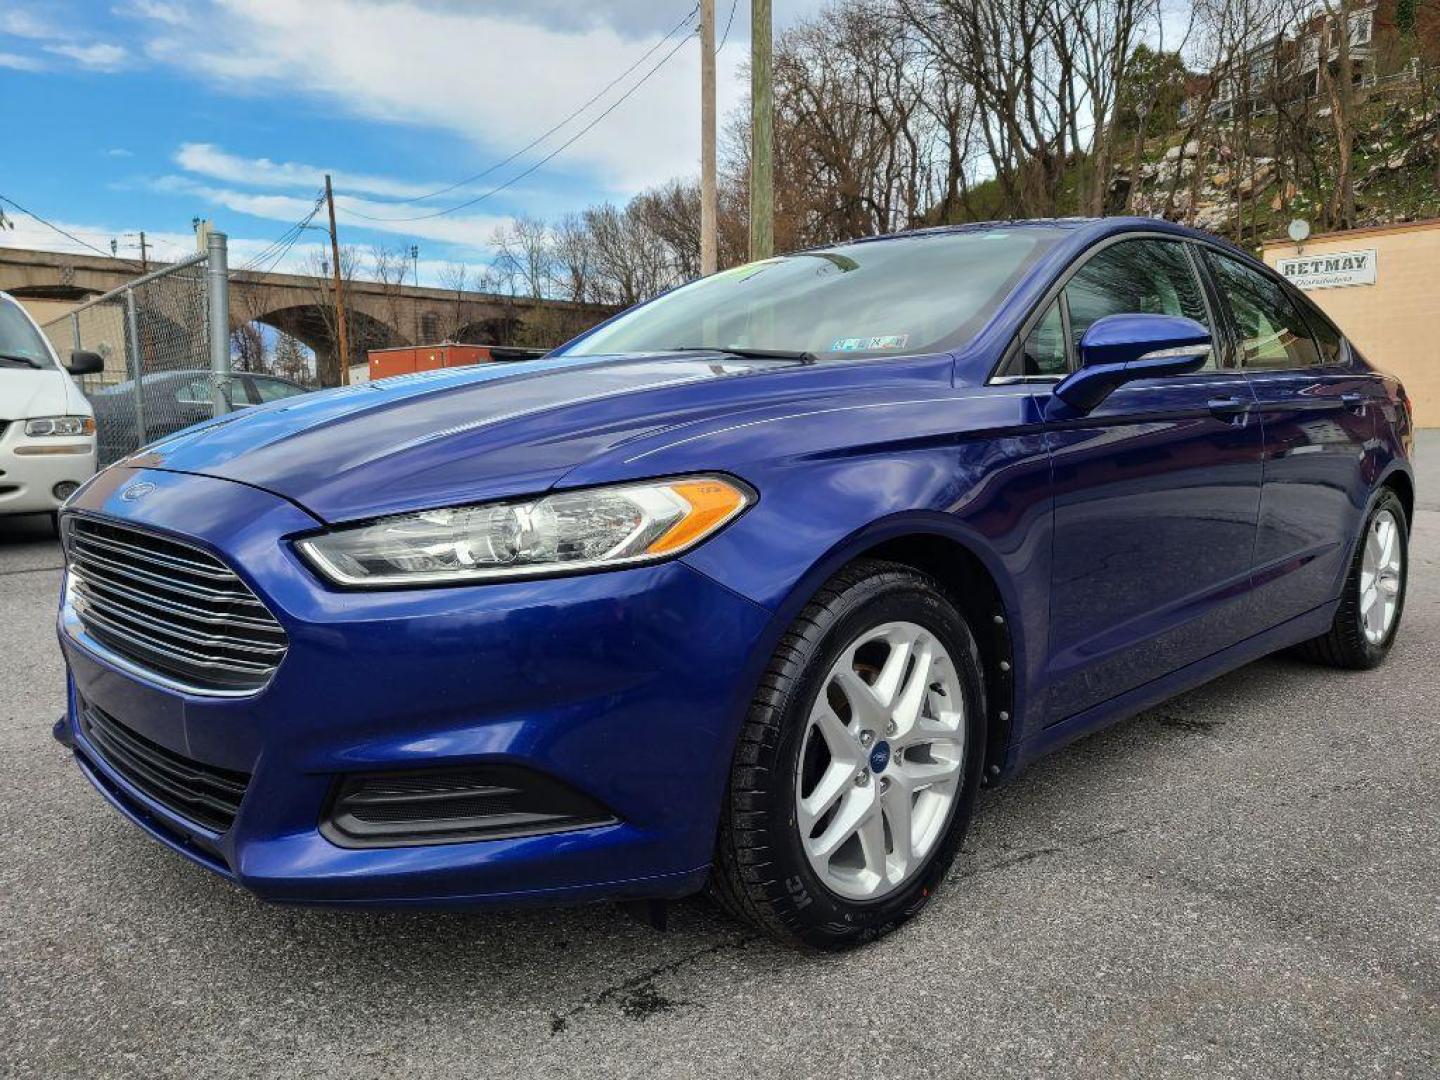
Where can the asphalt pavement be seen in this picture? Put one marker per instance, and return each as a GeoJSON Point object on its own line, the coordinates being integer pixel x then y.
{"type": "Point", "coordinates": [1243, 882]}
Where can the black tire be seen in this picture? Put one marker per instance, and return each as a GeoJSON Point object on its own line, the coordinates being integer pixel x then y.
{"type": "Point", "coordinates": [762, 874]}
{"type": "Point", "coordinates": [1345, 644]}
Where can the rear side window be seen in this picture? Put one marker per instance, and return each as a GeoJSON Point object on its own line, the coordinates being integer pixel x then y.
{"type": "Point", "coordinates": [1273, 335]}
{"type": "Point", "coordinates": [1327, 338]}
{"type": "Point", "coordinates": [1136, 277]}
{"type": "Point", "coordinates": [274, 389]}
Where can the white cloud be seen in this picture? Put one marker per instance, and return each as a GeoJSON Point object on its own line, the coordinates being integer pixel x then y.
{"type": "Point", "coordinates": [16, 62]}
{"type": "Point", "coordinates": [164, 246]}
{"type": "Point", "coordinates": [96, 57]}
{"type": "Point", "coordinates": [33, 236]}
{"type": "Point", "coordinates": [206, 159]}
{"type": "Point", "coordinates": [119, 152]}
{"type": "Point", "coordinates": [493, 80]}
{"type": "Point", "coordinates": [26, 24]}
{"type": "Point", "coordinates": [164, 11]}
{"type": "Point", "coordinates": [466, 231]}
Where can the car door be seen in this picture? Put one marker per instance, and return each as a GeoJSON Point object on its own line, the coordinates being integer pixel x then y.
{"type": "Point", "coordinates": [1318, 416]}
{"type": "Point", "coordinates": [1157, 492]}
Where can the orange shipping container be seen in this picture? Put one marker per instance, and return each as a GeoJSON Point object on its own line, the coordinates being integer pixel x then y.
{"type": "Point", "coordinates": [412, 358]}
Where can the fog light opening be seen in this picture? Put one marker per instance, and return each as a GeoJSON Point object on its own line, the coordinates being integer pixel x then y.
{"type": "Point", "coordinates": [64, 489]}
{"type": "Point", "coordinates": [446, 806]}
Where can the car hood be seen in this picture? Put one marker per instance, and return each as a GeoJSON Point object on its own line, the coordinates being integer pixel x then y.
{"type": "Point", "coordinates": [456, 435]}
{"type": "Point", "coordinates": [28, 392]}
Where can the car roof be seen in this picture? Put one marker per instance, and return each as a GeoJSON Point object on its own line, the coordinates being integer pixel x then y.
{"type": "Point", "coordinates": [1090, 227]}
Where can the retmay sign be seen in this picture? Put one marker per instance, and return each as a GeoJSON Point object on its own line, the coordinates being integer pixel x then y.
{"type": "Point", "coordinates": [1331, 271]}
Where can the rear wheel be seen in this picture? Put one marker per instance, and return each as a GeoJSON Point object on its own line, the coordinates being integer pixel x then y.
{"type": "Point", "coordinates": [856, 772]}
{"type": "Point", "coordinates": [1374, 594]}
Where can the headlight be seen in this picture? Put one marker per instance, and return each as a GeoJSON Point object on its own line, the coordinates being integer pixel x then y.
{"type": "Point", "coordinates": [60, 425]}
{"type": "Point", "coordinates": [592, 529]}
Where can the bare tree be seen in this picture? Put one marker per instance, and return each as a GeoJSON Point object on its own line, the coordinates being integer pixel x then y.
{"type": "Point", "coordinates": [1340, 89]}
{"type": "Point", "coordinates": [247, 346]}
{"type": "Point", "coordinates": [525, 251]}
{"type": "Point", "coordinates": [389, 268]}
{"type": "Point", "coordinates": [460, 311]}
{"type": "Point", "coordinates": [328, 363]}
{"type": "Point", "coordinates": [573, 258]}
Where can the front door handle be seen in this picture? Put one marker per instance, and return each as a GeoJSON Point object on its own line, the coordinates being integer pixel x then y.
{"type": "Point", "coordinates": [1226, 407]}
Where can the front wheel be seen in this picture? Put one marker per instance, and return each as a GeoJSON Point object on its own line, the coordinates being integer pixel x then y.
{"type": "Point", "coordinates": [1374, 593]}
{"type": "Point", "coordinates": [856, 772]}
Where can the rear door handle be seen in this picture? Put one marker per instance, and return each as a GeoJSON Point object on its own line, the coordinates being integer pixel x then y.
{"type": "Point", "coordinates": [1354, 402]}
{"type": "Point", "coordinates": [1226, 407]}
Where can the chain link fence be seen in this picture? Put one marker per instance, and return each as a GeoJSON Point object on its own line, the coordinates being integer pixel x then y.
{"type": "Point", "coordinates": [157, 336]}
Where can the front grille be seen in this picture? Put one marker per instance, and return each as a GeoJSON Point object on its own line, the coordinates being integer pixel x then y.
{"type": "Point", "coordinates": [170, 608]}
{"type": "Point", "coordinates": [488, 802]}
{"type": "Point", "coordinates": [203, 794]}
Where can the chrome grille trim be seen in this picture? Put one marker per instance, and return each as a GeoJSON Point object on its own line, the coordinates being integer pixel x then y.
{"type": "Point", "coordinates": [173, 612]}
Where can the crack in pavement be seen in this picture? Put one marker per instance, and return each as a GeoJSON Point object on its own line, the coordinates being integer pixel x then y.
{"type": "Point", "coordinates": [1020, 858]}
{"type": "Point", "coordinates": [639, 1000]}
{"type": "Point", "coordinates": [31, 570]}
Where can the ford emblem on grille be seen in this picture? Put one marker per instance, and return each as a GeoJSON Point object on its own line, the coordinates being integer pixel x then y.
{"type": "Point", "coordinates": [137, 491]}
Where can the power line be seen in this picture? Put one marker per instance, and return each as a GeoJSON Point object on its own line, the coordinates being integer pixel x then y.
{"type": "Point", "coordinates": [728, 23]}
{"type": "Point", "coordinates": [552, 130]}
{"type": "Point", "coordinates": [278, 248]}
{"type": "Point", "coordinates": [68, 235]}
{"type": "Point", "coordinates": [280, 240]}
{"type": "Point", "coordinates": [542, 161]}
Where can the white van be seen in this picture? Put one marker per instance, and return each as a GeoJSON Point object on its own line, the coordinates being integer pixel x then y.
{"type": "Point", "coordinates": [47, 429]}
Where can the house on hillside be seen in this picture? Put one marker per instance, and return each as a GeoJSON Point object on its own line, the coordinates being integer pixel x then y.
{"type": "Point", "coordinates": [1388, 41]}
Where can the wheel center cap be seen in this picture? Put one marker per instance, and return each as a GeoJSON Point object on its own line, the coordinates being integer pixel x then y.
{"type": "Point", "coordinates": [879, 756]}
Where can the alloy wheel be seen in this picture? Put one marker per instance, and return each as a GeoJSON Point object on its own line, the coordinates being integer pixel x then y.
{"type": "Point", "coordinates": [1381, 577]}
{"type": "Point", "coordinates": [882, 761]}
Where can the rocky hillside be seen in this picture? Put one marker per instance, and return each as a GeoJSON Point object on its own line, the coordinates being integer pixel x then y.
{"type": "Point", "coordinates": [1240, 184]}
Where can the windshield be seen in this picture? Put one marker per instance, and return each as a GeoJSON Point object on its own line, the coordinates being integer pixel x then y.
{"type": "Point", "coordinates": [925, 292]}
{"type": "Point", "coordinates": [20, 344]}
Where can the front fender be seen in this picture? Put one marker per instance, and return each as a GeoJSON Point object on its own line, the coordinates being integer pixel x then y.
{"type": "Point", "coordinates": [989, 495]}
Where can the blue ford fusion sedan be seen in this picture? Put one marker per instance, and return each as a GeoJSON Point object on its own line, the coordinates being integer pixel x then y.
{"type": "Point", "coordinates": [753, 586]}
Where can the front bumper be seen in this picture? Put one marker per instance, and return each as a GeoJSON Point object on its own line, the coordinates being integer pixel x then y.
{"type": "Point", "coordinates": [27, 480]}
{"type": "Point", "coordinates": [629, 686]}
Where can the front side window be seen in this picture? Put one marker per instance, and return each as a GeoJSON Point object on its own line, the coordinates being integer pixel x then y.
{"type": "Point", "coordinates": [1043, 352]}
{"type": "Point", "coordinates": [1136, 277]}
{"type": "Point", "coordinates": [1273, 335]}
{"type": "Point", "coordinates": [20, 344]}
{"type": "Point", "coordinates": [924, 292]}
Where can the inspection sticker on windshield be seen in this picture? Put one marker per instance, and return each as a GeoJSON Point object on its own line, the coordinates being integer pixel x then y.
{"type": "Point", "coordinates": [865, 344]}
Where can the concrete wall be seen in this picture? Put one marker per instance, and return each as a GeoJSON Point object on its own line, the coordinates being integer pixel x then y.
{"type": "Point", "coordinates": [1396, 321]}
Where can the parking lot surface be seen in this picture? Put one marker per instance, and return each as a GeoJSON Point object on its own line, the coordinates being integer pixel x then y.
{"type": "Point", "coordinates": [1243, 882]}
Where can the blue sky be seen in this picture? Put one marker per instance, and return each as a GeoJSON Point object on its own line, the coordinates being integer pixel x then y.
{"type": "Point", "coordinates": [142, 114]}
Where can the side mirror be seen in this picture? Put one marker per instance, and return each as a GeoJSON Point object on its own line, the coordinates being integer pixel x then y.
{"type": "Point", "coordinates": [1123, 348]}
{"type": "Point", "coordinates": [83, 362]}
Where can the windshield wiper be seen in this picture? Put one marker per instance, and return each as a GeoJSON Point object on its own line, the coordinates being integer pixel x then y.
{"type": "Point", "coordinates": [17, 358]}
{"type": "Point", "coordinates": [750, 354]}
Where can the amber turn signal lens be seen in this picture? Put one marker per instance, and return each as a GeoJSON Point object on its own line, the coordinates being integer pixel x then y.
{"type": "Point", "coordinates": [712, 503]}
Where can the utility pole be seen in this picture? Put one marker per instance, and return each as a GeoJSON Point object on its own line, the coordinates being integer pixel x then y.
{"type": "Point", "coordinates": [762, 134]}
{"type": "Point", "coordinates": [340, 342]}
{"type": "Point", "coordinates": [415, 261]}
{"type": "Point", "coordinates": [144, 254]}
{"type": "Point", "coordinates": [708, 248]}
